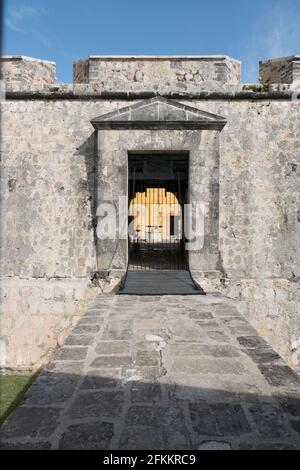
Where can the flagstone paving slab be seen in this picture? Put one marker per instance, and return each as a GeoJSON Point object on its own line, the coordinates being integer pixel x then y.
{"type": "Point", "coordinates": [167, 372]}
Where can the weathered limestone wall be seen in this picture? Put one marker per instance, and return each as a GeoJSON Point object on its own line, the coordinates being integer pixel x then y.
{"type": "Point", "coordinates": [284, 70]}
{"type": "Point", "coordinates": [155, 73]}
{"type": "Point", "coordinates": [36, 316]}
{"type": "Point", "coordinates": [259, 217]}
{"type": "Point", "coordinates": [21, 69]}
{"type": "Point", "coordinates": [47, 200]}
{"type": "Point", "coordinates": [46, 224]}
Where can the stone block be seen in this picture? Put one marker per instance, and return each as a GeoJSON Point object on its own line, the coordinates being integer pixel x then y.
{"type": "Point", "coordinates": [220, 419]}
{"type": "Point", "coordinates": [52, 388]}
{"type": "Point", "coordinates": [147, 358]}
{"type": "Point", "coordinates": [252, 342]}
{"type": "Point", "coordinates": [207, 365]}
{"type": "Point", "coordinates": [113, 347]}
{"type": "Point", "coordinates": [268, 420]}
{"type": "Point", "coordinates": [87, 436]}
{"type": "Point", "coordinates": [279, 375]}
{"type": "Point", "coordinates": [196, 349]}
{"type": "Point", "coordinates": [79, 340]}
{"type": "Point", "coordinates": [97, 405]}
{"type": "Point", "coordinates": [85, 329]}
{"type": "Point", "coordinates": [145, 392]}
{"type": "Point", "coordinates": [263, 356]}
{"type": "Point", "coordinates": [103, 378]}
{"type": "Point", "coordinates": [121, 330]}
{"type": "Point", "coordinates": [31, 422]}
{"type": "Point", "coordinates": [112, 361]}
{"type": "Point", "coordinates": [70, 354]}
{"type": "Point", "coordinates": [167, 421]}
{"type": "Point", "coordinates": [90, 321]}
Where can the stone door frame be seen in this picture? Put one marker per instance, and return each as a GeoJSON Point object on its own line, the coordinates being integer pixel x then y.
{"type": "Point", "coordinates": [160, 126]}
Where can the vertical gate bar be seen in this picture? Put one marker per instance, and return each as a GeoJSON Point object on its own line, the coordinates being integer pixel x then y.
{"type": "Point", "coordinates": [162, 222]}
{"type": "Point", "coordinates": [137, 254]}
{"type": "Point", "coordinates": [175, 208]}
{"type": "Point", "coordinates": [170, 244]}
{"type": "Point", "coordinates": [135, 224]}
{"type": "Point", "coordinates": [175, 244]}
{"type": "Point", "coordinates": [165, 246]}
{"type": "Point", "coordinates": [163, 197]}
{"type": "Point", "coordinates": [148, 199]}
{"type": "Point", "coordinates": [133, 235]}
{"type": "Point", "coordinates": [140, 252]}
{"type": "Point", "coordinates": [134, 227]}
{"type": "Point", "coordinates": [162, 209]}
{"type": "Point", "coordinates": [147, 195]}
{"type": "Point", "coordinates": [176, 241]}
{"type": "Point", "coordinates": [170, 239]}
{"type": "Point", "coordinates": [158, 225]}
{"type": "Point", "coordinates": [136, 246]}
{"type": "Point", "coordinates": [141, 227]}
{"type": "Point", "coordinates": [129, 218]}
{"type": "Point", "coordinates": [139, 248]}
{"type": "Point", "coordinates": [152, 225]}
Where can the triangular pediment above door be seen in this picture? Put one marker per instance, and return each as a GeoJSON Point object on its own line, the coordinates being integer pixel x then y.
{"type": "Point", "coordinates": [159, 113]}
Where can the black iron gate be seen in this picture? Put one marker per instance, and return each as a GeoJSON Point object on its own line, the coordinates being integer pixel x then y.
{"type": "Point", "coordinates": [156, 232]}
{"type": "Point", "coordinates": [157, 194]}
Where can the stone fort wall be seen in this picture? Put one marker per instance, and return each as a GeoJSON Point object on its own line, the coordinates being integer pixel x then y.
{"type": "Point", "coordinates": [157, 73]}
{"type": "Point", "coordinates": [22, 69]}
{"type": "Point", "coordinates": [284, 70]}
{"type": "Point", "coordinates": [48, 188]}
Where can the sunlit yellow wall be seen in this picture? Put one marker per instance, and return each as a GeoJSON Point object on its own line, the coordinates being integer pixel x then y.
{"type": "Point", "coordinates": [152, 210]}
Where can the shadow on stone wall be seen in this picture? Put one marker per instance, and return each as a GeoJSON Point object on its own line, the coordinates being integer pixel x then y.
{"type": "Point", "coordinates": [89, 150]}
{"type": "Point", "coordinates": [102, 274]}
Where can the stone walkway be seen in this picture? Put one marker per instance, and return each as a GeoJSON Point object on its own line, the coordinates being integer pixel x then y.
{"type": "Point", "coordinates": [160, 373]}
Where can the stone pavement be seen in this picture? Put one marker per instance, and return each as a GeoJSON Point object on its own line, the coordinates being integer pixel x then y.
{"type": "Point", "coordinates": [160, 373]}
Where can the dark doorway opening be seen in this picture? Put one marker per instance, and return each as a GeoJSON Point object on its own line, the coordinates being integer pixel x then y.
{"type": "Point", "coordinates": [157, 257]}
{"type": "Point", "coordinates": [158, 191]}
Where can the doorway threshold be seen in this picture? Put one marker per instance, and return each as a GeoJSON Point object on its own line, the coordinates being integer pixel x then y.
{"type": "Point", "coordinates": [160, 282]}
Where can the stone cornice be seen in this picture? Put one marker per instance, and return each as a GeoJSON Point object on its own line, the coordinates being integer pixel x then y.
{"type": "Point", "coordinates": [88, 95]}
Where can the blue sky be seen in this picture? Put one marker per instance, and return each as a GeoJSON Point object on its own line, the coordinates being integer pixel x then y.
{"type": "Point", "coordinates": [65, 30]}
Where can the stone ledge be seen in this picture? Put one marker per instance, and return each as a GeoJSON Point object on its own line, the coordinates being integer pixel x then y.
{"type": "Point", "coordinates": [73, 94]}
{"type": "Point", "coordinates": [6, 58]}
{"type": "Point", "coordinates": [159, 57]}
